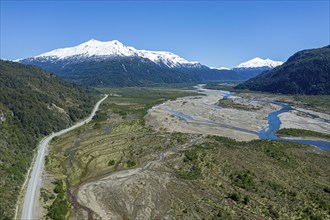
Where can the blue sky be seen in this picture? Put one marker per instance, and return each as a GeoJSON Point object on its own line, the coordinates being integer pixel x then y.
{"type": "Point", "coordinates": [215, 33]}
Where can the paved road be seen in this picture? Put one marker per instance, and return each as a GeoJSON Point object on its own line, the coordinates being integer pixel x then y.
{"type": "Point", "coordinates": [31, 200]}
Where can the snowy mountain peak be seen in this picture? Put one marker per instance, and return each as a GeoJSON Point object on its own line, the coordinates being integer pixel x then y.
{"type": "Point", "coordinates": [115, 48]}
{"type": "Point", "coordinates": [91, 48]}
{"type": "Point", "coordinates": [220, 68]}
{"type": "Point", "coordinates": [258, 62]}
{"type": "Point", "coordinates": [91, 41]}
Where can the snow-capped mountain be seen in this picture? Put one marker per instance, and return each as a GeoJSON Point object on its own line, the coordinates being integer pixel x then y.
{"type": "Point", "coordinates": [111, 63]}
{"type": "Point", "coordinates": [255, 67]}
{"type": "Point", "coordinates": [220, 68]}
{"type": "Point", "coordinates": [258, 62]}
{"type": "Point", "coordinates": [95, 48]}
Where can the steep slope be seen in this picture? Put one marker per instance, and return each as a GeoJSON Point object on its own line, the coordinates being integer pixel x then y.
{"type": "Point", "coordinates": [33, 103]}
{"type": "Point", "coordinates": [306, 72]}
{"type": "Point", "coordinates": [255, 67]}
{"type": "Point", "coordinates": [114, 64]}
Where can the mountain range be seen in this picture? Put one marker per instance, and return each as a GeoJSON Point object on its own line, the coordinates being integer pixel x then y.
{"type": "Point", "coordinates": [306, 72]}
{"type": "Point", "coordinates": [97, 63]}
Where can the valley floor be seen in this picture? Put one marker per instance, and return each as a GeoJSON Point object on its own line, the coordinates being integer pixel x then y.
{"type": "Point", "coordinates": [158, 154]}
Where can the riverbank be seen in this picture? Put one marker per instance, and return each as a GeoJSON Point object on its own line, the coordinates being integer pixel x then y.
{"type": "Point", "coordinates": [203, 115]}
{"type": "Point", "coordinates": [305, 134]}
{"type": "Point", "coordinates": [308, 120]}
{"type": "Point", "coordinates": [242, 119]}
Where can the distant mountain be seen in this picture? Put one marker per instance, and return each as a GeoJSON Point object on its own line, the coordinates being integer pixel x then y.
{"type": "Point", "coordinates": [95, 48]}
{"type": "Point", "coordinates": [306, 72]}
{"type": "Point", "coordinates": [255, 67]}
{"type": "Point", "coordinates": [258, 62]}
{"type": "Point", "coordinates": [33, 103]}
{"type": "Point", "coordinates": [220, 68]}
{"type": "Point", "coordinates": [111, 63]}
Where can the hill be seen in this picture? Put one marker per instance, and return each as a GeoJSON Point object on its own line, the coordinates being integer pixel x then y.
{"type": "Point", "coordinates": [33, 103]}
{"type": "Point", "coordinates": [111, 63]}
{"type": "Point", "coordinates": [307, 72]}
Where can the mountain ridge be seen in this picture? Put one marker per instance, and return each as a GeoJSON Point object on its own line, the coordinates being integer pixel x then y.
{"type": "Point", "coordinates": [112, 49]}
{"type": "Point", "coordinates": [96, 63]}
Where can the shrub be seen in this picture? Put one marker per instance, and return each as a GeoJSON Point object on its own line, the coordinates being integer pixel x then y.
{"type": "Point", "coordinates": [111, 163]}
{"type": "Point", "coordinates": [190, 155]}
{"type": "Point", "coordinates": [131, 163]}
{"type": "Point", "coordinates": [235, 196]}
{"type": "Point", "coordinates": [326, 189]}
{"type": "Point", "coordinates": [244, 180]}
{"type": "Point", "coordinates": [246, 200]}
{"type": "Point", "coordinates": [60, 207]}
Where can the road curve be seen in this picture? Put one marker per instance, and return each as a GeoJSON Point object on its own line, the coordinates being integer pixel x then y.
{"type": "Point", "coordinates": [31, 199]}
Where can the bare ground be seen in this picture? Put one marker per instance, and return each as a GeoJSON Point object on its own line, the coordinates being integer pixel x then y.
{"type": "Point", "coordinates": [306, 119]}
{"type": "Point", "coordinates": [202, 115]}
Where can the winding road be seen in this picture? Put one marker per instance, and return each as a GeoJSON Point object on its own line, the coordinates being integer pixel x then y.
{"type": "Point", "coordinates": [31, 199]}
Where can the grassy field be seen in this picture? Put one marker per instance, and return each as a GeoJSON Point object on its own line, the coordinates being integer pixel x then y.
{"type": "Point", "coordinates": [218, 178]}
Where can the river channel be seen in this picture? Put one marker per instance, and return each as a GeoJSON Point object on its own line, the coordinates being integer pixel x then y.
{"type": "Point", "coordinates": [274, 123]}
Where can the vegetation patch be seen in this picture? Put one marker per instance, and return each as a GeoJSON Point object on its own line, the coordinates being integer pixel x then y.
{"type": "Point", "coordinates": [130, 163]}
{"type": "Point", "coordinates": [294, 132]}
{"type": "Point", "coordinates": [230, 103]}
{"type": "Point", "coordinates": [243, 179]}
{"type": "Point", "coordinates": [226, 86]}
{"type": "Point", "coordinates": [194, 172]}
{"type": "Point", "coordinates": [191, 169]}
{"type": "Point", "coordinates": [258, 179]}
{"type": "Point", "coordinates": [60, 207]}
{"type": "Point", "coordinates": [320, 102]}
{"type": "Point", "coordinates": [111, 163]}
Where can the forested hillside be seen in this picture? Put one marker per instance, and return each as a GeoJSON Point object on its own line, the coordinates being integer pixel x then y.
{"type": "Point", "coordinates": [33, 103]}
{"type": "Point", "coordinates": [307, 72]}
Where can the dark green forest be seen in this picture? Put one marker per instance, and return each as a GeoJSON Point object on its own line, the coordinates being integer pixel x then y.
{"type": "Point", "coordinates": [33, 103]}
{"type": "Point", "coordinates": [126, 71]}
{"type": "Point", "coordinates": [307, 72]}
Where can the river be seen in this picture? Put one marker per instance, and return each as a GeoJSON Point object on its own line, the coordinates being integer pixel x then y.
{"type": "Point", "coordinates": [274, 124]}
